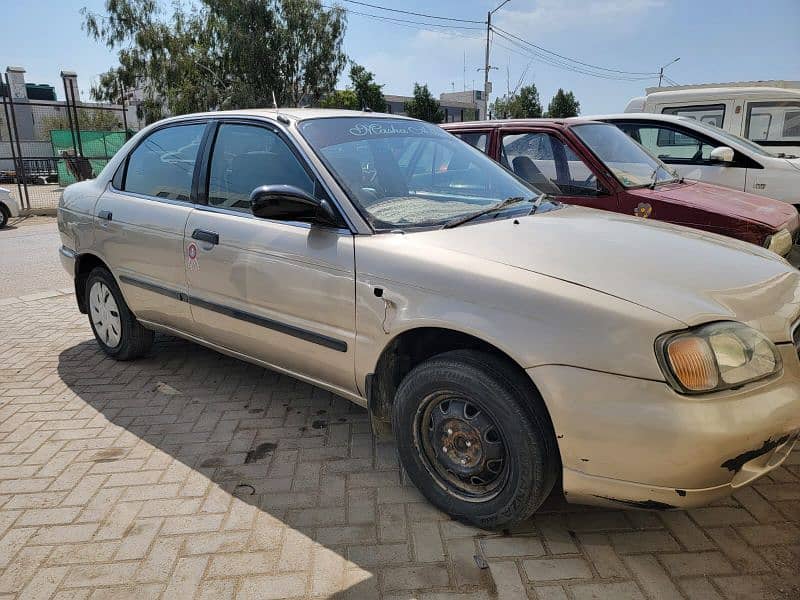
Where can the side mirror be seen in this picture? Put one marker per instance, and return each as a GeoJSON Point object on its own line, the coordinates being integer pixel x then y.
{"type": "Point", "coordinates": [722, 154]}
{"type": "Point", "coordinates": [290, 203]}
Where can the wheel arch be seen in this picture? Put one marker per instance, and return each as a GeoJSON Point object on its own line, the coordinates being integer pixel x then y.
{"type": "Point", "coordinates": [84, 264]}
{"type": "Point", "coordinates": [410, 348]}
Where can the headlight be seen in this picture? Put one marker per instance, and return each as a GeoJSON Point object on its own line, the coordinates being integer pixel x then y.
{"type": "Point", "coordinates": [780, 242]}
{"type": "Point", "coordinates": [718, 356]}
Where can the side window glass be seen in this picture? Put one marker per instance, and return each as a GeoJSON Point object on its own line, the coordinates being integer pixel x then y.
{"type": "Point", "coordinates": [163, 164]}
{"type": "Point", "coordinates": [549, 165]}
{"type": "Point", "coordinates": [713, 114]}
{"type": "Point", "coordinates": [246, 157]}
{"type": "Point", "coordinates": [671, 145]}
{"type": "Point", "coordinates": [476, 139]}
{"type": "Point", "coordinates": [777, 122]}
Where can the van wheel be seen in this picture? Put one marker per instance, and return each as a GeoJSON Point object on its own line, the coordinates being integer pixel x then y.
{"type": "Point", "coordinates": [475, 438]}
{"type": "Point", "coordinates": [4, 215]}
{"type": "Point", "coordinates": [118, 332]}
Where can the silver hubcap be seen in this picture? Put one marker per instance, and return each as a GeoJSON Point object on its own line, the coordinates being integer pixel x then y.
{"type": "Point", "coordinates": [104, 314]}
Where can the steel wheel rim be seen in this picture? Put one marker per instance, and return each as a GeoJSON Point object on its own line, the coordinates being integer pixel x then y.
{"type": "Point", "coordinates": [462, 447]}
{"type": "Point", "coordinates": [104, 312]}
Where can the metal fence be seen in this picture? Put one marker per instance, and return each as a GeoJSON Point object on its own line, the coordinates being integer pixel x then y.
{"type": "Point", "coordinates": [46, 145]}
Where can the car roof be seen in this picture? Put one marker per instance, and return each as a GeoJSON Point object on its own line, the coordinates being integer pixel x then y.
{"type": "Point", "coordinates": [517, 122]}
{"type": "Point", "coordinates": [641, 116]}
{"type": "Point", "coordinates": [294, 114]}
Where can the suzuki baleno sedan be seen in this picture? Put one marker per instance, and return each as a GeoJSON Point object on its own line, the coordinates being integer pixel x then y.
{"type": "Point", "coordinates": [507, 341]}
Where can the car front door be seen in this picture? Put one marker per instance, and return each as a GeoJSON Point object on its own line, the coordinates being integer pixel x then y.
{"type": "Point", "coordinates": [140, 220]}
{"type": "Point", "coordinates": [544, 159]}
{"type": "Point", "coordinates": [280, 292]}
{"type": "Point", "coordinates": [688, 152]}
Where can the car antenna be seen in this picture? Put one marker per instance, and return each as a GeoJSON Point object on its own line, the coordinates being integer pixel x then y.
{"type": "Point", "coordinates": [278, 115]}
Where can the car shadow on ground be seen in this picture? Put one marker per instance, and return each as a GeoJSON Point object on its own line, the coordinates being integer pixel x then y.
{"type": "Point", "coordinates": [304, 457]}
{"type": "Point", "coordinates": [240, 459]}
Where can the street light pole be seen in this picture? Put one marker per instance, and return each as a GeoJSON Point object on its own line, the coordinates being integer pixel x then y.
{"type": "Point", "coordinates": [486, 66]}
{"type": "Point", "coordinates": [661, 70]}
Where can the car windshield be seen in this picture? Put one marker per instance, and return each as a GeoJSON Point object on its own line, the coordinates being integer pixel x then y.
{"type": "Point", "coordinates": [631, 164]}
{"type": "Point", "coordinates": [403, 174]}
{"type": "Point", "coordinates": [730, 137]}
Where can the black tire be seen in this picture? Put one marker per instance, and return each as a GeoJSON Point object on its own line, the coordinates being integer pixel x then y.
{"type": "Point", "coordinates": [4, 215]}
{"type": "Point", "coordinates": [504, 397]}
{"type": "Point", "coordinates": [134, 339]}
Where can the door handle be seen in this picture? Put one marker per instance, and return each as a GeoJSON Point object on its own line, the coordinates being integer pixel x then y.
{"type": "Point", "coordinates": [206, 236]}
{"type": "Point", "coordinates": [105, 214]}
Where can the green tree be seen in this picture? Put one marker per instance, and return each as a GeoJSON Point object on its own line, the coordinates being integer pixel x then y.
{"type": "Point", "coordinates": [341, 99]}
{"type": "Point", "coordinates": [424, 106]}
{"type": "Point", "coordinates": [563, 105]}
{"type": "Point", "coordinates": [368, 93]}
{"type": "Point", "coordinates": [88, 119]}
{"type": "Point", "coordinates": [523, 104]}
{"type": "Point", "coordinates": [218, 54]}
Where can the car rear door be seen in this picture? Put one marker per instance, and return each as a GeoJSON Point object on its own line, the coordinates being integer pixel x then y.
{"type": "Point", "coordinates": [280, 292]}
{"type": "Point", "coordinates": [140, 219]}
{"type": "Point", "coordinates": [545, 158]}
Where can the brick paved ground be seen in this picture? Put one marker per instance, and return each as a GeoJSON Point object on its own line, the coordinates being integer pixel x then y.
{"type": "Point", "coordinates": [191, 474]}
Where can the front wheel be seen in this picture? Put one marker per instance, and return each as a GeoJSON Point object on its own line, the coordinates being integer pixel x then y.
{"type": "Point", "coordinates": [115, 328]}
{"type": "Point", "coordinates": [4, 215]}
{"type": "Point", "coordinates": [475, 438]}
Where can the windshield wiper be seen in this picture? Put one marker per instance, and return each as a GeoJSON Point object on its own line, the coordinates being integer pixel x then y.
{"type": "Point", "coordinates": [654, 178]}
{"type": "Point", "coordinates": [489, 209]}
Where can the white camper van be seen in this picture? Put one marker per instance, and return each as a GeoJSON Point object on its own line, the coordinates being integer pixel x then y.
{"type": "Point", "coordinates": [766, 112]}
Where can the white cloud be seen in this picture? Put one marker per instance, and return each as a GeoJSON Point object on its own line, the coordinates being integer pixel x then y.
{"type": "Point", "coordinates": [560, 15]}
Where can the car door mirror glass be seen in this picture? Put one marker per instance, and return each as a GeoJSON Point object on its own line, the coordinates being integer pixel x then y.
{"type": "Point", "coordinates": [722, 154]}
{"type": "Point", "coordinates": [290, 203]}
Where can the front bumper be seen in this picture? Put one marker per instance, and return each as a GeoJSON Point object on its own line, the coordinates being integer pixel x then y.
{"type": "Point", "coordinates": [638, 443]}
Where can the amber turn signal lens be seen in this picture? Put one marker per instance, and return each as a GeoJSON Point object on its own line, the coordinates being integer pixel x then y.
{"type": "Point", "coordinates": [693, 363]}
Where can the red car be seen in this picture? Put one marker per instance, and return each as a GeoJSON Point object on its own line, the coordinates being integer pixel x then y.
{"type": "Point", "coordinates": [595, 164]}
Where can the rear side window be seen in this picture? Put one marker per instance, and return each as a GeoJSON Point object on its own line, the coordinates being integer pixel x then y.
{"type": "Point", "coordinates": [163, 164]}
{"type": "Point", "coordinates": [473, 138]}
{"type": "Point", "coordinates": [711, 114]}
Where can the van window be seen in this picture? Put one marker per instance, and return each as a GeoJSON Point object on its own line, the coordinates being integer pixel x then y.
{"type": "Point", "coordinates": [775, 123]}
{"type": "Point", "coordinates": [163, 164]}
{"type": "Point", "coordinates": [711, 114]}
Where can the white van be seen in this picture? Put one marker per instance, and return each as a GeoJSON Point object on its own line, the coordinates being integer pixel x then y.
{"type": "Point", "coordinates": [766, 112]}
{"type": "Point", "coordinates": [701, 151]}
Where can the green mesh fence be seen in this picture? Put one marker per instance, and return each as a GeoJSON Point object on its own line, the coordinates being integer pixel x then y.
{"type": "Point", "coordinates": [98, 147]}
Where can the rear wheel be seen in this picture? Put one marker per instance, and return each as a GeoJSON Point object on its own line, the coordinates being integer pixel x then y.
{"type": "Point", "coordinates": [4, 215]}
{"type": "Point", "coordinates": [115, 328]}
{"type": "Point", "coordinates": [475, 438]}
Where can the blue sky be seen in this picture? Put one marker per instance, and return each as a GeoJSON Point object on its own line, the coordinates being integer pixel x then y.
{"type": "Point", "coordinates": [717, 40]}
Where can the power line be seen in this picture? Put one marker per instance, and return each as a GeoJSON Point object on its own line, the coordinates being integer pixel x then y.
{"type": "Point", "coordinates": [416, 14]}
{"type": "Point", "coordinates": [400, 22]}
{"type": "Point", "coordinates": [527, 53]}
{"type": "Point", "coordinates": [567, 58]}
{"type": "Point", "coordinates": [561, 64]}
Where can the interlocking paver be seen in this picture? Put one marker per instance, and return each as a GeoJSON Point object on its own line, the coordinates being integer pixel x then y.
{"type": "Point", "coordinates": [128, 480]}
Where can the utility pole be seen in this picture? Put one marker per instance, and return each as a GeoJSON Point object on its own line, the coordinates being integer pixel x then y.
{"type": "Point", "coordinates": [486, 67]}
{"type": "Point", "coordinates": [661, 70]}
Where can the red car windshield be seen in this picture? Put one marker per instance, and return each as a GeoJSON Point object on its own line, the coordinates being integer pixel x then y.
{"type": "Point", "coordinates": [631, 164]}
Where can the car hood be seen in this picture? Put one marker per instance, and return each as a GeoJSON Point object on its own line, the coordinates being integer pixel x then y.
{"type": "Point", "coordinates": [795, 162]}
{"type": "Point", "coordinates": [758, 209]}
{"type": "Point", "coordinates": [688, 275]}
